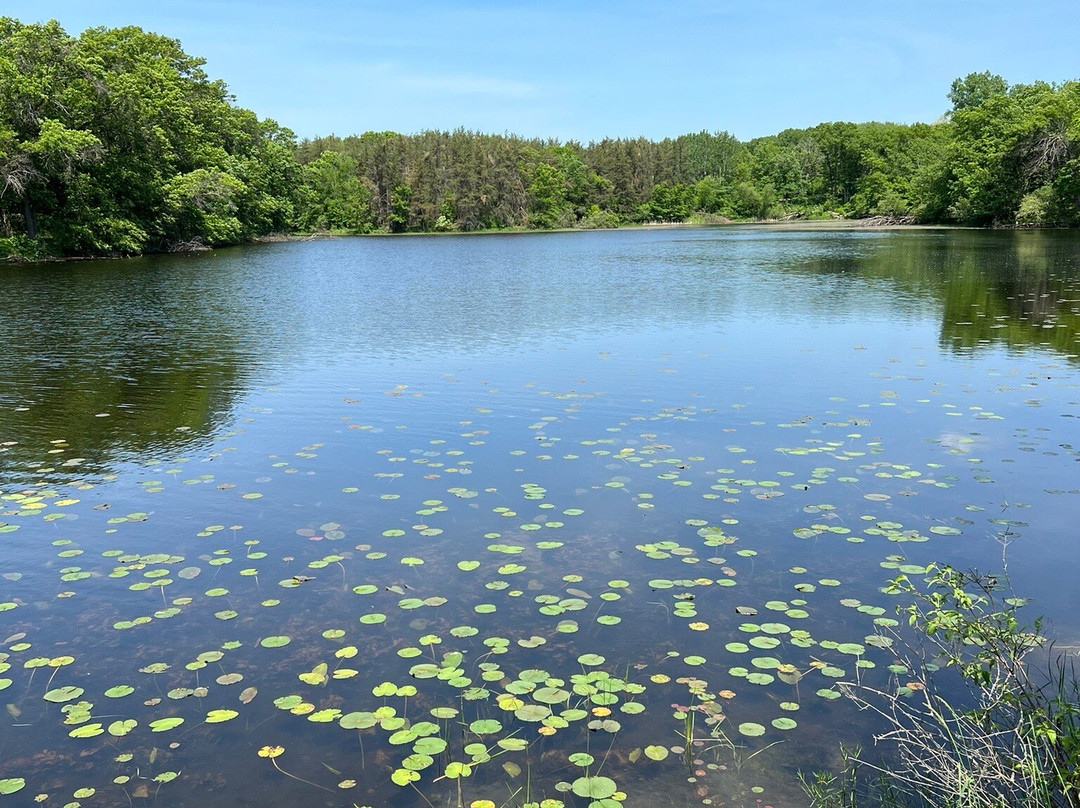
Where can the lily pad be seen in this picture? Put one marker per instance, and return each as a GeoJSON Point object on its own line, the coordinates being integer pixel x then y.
{"type": "Point", "coordinates": [60, 695]}
{"type": "Point", "coordinates": [594, 788]}
{"type": "Point", "coordinates": [118, 729]}
{"type": "Point", "coordinates": [656, 752]}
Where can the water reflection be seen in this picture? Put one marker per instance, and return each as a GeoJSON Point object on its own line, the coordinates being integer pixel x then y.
{"type": "Point", "coordinates": [652, 386]}
{"type": "Point", "coordinates": [107, 360]}
{"type": "Point", "coordinates": [142, 357]}
{"type": "Point", "coordinates": [1018, 289]}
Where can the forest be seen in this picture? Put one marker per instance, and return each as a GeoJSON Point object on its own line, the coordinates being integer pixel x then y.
{"type": "Point", "coordinates": [117, 142]}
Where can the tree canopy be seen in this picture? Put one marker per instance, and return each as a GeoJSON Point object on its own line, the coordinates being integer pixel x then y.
{"type": "Point", "coordinates": [117, 142]}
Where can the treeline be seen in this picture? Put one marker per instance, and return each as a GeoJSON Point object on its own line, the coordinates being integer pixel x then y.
{"type": "Point", "coordinates": [1001, 156]}
{"type": "Point", "coordinates": [117, 142]}
{"type": "Point", "coordinates": [468, 181]}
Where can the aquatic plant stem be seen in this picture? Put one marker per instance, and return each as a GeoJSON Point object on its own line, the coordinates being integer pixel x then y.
{"type": "Point", "coordinates": [300, 779]}
{"type": "Point", "coordinates": [421, 794]}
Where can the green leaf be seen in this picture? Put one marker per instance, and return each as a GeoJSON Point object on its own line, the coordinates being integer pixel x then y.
{"type": "Point", "coordinates": [9, 785]}
{"type": "Point", "coordinates": [596, 788]}
{"type": "Point", "coordinates": [87, 731]}
{"type": "Point", "coordinates": [118, 729]}
{"type": "Point", "coordinates": [458, 770]}
{"type": "Point", "coordinates": [61, 694]}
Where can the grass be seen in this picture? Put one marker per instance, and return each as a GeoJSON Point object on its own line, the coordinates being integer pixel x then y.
{"type": "Point", "coordinates": [1016, 740]}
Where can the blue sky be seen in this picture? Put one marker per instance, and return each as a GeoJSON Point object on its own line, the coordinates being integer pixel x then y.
{"type": "Point", "coordinates": [586, 70]}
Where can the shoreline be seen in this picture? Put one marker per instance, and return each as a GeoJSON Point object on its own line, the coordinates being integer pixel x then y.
{"type": "Point", "coordinates": [771, 224]}
{"type": "Point", "coordinates": [793, 225]}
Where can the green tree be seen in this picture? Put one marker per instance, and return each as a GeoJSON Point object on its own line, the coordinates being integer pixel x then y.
{"type": "Point", "coordinates": [400, 209]}
{"type": "Point", "coordinates": [547, 193]}
{"type": "Point", "coordinates": [118, 142]}
{"type": "Point", "coordinates": [753, 202]}
{"type": "Point", "coordinates": [670, 203]}
{"type": "Point", "coordinates": [333, 196]}
{"type": "Point", "coordinates": [975, 89]}
{"type": "Point", "coordinates": [1010, 146]}
{"type": "Point", "coordinates": [712, 195]}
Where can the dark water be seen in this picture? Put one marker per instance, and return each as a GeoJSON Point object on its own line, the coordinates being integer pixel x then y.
{"type": "Point", "coordinates": [567, 458]}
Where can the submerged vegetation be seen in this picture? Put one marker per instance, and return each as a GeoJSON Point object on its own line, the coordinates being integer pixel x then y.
{"type": "Point", "coordinates": [336, 548]}
{"type": "Point", "coordinates": [117, 142]}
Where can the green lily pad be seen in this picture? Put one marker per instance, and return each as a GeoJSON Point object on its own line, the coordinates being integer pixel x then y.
{"type": "Point", "coordinates": [582, 759]}
{"type": "Point", "coordinates": [87, 731]}
{"type": "Point", "coordinates": [656, 752]}
{"type": "Point", "coordinates": [457, 770]}
{"type": "Point", "coordinates": [595, 788]}
{"type": "Point", "coordinates": [60, 695]}
{"type": "Point", "coordinates": [533, 712]}
{"type": "Point", "coordinates": [118, 729]}
{"type": "Point", "coordinates": [403, 777]}
{"type": "Point", "coordinates": [429, 746]}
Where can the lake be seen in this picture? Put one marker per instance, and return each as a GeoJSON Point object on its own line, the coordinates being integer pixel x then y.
{"type": "Point", "coordinates": [596, 518]}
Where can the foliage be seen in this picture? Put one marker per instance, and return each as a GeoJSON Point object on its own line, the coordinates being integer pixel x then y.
{"type": "Point", "coordinates": [669, 203]}
{"type": "Point", "coordinates": [400, 208]}
{"type": "Point", "coordinates": [118, 142]}
{"type": "Point", "coordinates": [1008, 146]}
{"type": "Point", "coordinates": [548, 194]}
{"type": "Point", "coordinates": [20, 247]}
{"type": "Point", "coordinates": [332, 196]}
{"type": "Point", "coordinates": [596, 219]}
{"type": "Point", "coordinates": [975, 89]}
{"type": "Point", "coordinates": [1018, 743]}
{"type": "Point", "coordinates": [754, 202]}
{"type": "Point", "coordinates": [1035, 208]}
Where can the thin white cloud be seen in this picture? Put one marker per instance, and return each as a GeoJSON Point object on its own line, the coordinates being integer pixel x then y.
{"type": "Point", "coordinates": [392, 76]}
{"type": "Point", "coordinates": [465, 84]}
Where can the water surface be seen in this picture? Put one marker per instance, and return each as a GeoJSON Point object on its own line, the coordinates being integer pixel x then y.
{"type": "Point", "coordinates": [566, 458]}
